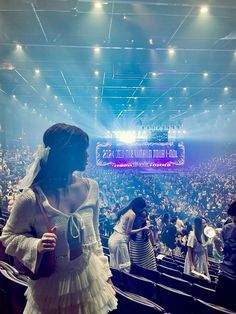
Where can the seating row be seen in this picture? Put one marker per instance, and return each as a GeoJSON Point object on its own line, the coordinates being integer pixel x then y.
{"type": "Point", "coordinates": [171, 299]}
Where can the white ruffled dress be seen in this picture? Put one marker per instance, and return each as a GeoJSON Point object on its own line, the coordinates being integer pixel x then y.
{"type": "Point", "coordinates": [78, 286]}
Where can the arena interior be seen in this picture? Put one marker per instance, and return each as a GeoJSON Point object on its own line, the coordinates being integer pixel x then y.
{"type": "Point", "coordinates": [153, 83]}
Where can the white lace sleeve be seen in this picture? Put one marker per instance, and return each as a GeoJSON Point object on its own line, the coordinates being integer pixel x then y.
{"type": "Point", "coordinates": [16, 235]}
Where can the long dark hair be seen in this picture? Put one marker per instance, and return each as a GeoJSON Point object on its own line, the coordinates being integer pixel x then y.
{"type": "Point", "coordinates": [198, 228]}
{"type": "Point", "coordinates": [137, 205]}
{"type": "Point", "coordinates": [68, 145]}
{"type": "Point", "coordinates": [138, 224]}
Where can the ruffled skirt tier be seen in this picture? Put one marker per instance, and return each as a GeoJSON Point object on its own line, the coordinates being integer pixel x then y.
{"type": "Point", "coordinates": [77, 287]}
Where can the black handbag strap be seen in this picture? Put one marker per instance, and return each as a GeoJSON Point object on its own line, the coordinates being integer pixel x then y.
{"type": "Point", "coordinates": [42, 209]}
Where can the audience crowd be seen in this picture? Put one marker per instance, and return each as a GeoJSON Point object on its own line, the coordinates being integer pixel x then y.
{"type": "Point", "coordinates": [203, 190]}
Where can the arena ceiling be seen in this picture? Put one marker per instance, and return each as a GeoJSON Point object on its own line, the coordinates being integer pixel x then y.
{"type": "Point", "coordinates": [114, 64]}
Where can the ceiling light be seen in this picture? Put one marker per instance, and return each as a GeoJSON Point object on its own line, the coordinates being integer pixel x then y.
{"type": "Point", "coordinates": [61, 104]}
{"type": "Point", "coordinates": [18, 47]}
{"type": "Point", "coordinates": [226, 89]}
{"type": "Point", "coordinates": [47, 86]}
{"type": "Point", "coordinates": [150, 41]}
{"type": "Point", "coordinates": [125, 17]}
{"type": "Point", "coordinates": [55, 97]}
{"type": "Point", "coordinates": [98, 5]}
{"type": "Point", "coordinates": [154, 74]}
{"type": "Point", "coordinates": [190, 106]}
{"type": "Point", "coordinates": [142, 88]}
{"type": "Point", "coordinates": [184, 89]}
{"type": "Point", "coordinates": [171, 51]}
{"type": "Point", "coordinates": [36, 71]}
{"type": "Point", "coordinates": [96, 87]}
{"type": "Point", "coordinates": [10, 67]}
{"type": "Point", "coordinates": [97, 49]}
{"type": "Point", "coordinates": [205, 74]}
{"type": "Point", "coordinates": [204, 10]}
{"type": "Point", "coordinates": [170, 98]}
{"type": "Point", "coordinates": [96, 72]}
{"type": "Point", "coordinates": [14, 96]}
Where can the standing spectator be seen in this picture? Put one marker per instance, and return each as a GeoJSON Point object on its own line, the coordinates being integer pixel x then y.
{"type": "Point", "coordinates": [171, 234]}
{"type": "Point", "coordinates": [197, 256]}
{"type": "Point", "coordinates": [118, 241]}
{"type": "Point", "coordinates": [142, 243]}
{"type": "Point", "coordinates": [227, 278]}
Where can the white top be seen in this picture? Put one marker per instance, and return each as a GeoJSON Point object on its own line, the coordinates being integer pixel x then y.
{"type": "Point", "coordinates": [121, 225]}
{"type": "Point", "coordinates": [17, 238]}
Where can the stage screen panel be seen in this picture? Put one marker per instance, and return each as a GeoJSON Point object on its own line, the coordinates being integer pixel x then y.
{"type": "Point", "coordinates": [140, 155]}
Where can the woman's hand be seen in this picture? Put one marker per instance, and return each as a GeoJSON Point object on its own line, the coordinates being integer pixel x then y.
{"type": "Point", "coordinates": [47, 243]}
{"type": "Point", "coordinates": [148, 226]}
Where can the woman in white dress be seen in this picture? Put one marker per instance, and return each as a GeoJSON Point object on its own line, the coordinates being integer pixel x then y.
{"type": "Point", "coordinates": [118, 241]}
{"type": "Point", "coordinates": [80, 283]}
{"type": "Point", "coordinates": [196, 259]}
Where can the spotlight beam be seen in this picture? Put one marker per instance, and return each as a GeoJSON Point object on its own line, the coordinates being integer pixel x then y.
{"type": "Point", "coordinates": [156, 100]}
{"type": "Point", "coordinates": [139, 115]}
{"type": "Point", "coordinates": [31, 86]}
{"type": "Point", "coordinates": [158, 115]}
{"type": "Point", "coordinates": [111, 22]}
{"type": "Point", "coordinates": [134, 92]}
{"type": "Point", "coordinates": [1, 90]}
{"type": "Point", "coordinates": [178, 115]}
{"type": "Point", "coordinates": [40, 24]}
{"type": "Point", "coordinates": [180, 25]}
{"type": "Point", "coordinates": [200, 90]}
{"type": "Point", "coordinates": [119, 114]}
{"type": "Point", "coordinates": [68, 88]}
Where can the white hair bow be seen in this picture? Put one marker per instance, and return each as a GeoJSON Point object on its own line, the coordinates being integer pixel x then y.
{"type": "Point", "coordinates": [34, 168]}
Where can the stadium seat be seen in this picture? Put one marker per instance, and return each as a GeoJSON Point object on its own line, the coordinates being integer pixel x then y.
{"type": "Point", "coordinates": [176, 283]}
{"type": "Point", "coordinates": [169, 271]}
{"type": "Point", "coordinates": [12, 291]}
{"type": "Point", "coordinates": [140, 285]}
{"type": "Point", "coordinates": [146, 273]}
{"type": "Point", "coordinates": [167, 263]}
{"type": "Point", "coordinates": [181, 268]}
{"type": "Point", "coordinates": [175, 301]}
{"type": "Point", "coordinates": [199, 281]}
{"type": "Point", "coordinates": [5, 301]}
{"type": "Point", "coordinates": [203, 293]}
{"type": "Point", "coordinates": [178, 258]}
{"type": "Point", "coordinates": [203, 307]}
{"type": "Point", "coordinates": [117, 278]}
{"type": "Point", "coordinates": [132, 303]}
